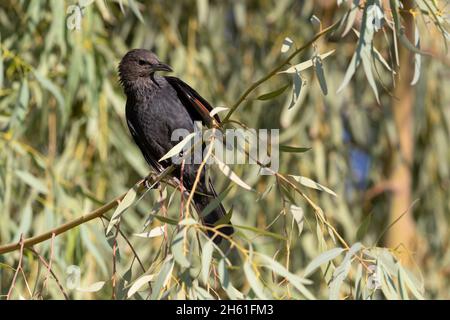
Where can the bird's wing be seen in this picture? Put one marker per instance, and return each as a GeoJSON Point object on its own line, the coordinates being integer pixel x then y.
{"type": "Point", "coordinates": [197, 106]}
{"type": "Point", "coordinates": [139, 138]}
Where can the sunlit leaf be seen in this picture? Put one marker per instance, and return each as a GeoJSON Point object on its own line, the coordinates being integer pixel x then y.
{"type": "Point", "coordinates": [139, 283]}
{"type": "Point", "coordinates": [124, 204]}
{"type": "Point", "coordinates": [296, 281]}
{"type": "Point", "coordinates": [341, 272]}
{"type": "Point", "coordinates": [206, 260]}
{"type": "Point", "coordinates": [254, 282]}
{"type": "Point", "coordinates": [351, 17]}
{"type": "Point", "coordinates": [296, 90]}
{"type": "Point", "coordinates": [307, 64]}
{"type": "Point", "coordinates": [417, 58]}
{"type": "Point", "coordinates": [162, 278]}
{"type": "Point", "coordinates": [225, 281]}
{"type": "Point", "coordinates": [178, 148]}
{"type": "Point", "coordinates": [155, 232]}
{"type": "Point", "coordinates": [97, 286]}
{"type": "Point", "coordinates": [178, 250]}
{"type": "Point", "coordinates": [226, 170]}
{"type": "Point", "coordinates": [307, 182]}
{"type": "Point", "coordinates": [216, 110]}
{"type": "Point", "coordinates": [297, 213]}
{"type": "Point", "coordinates": [321, 259]}
{"type": "Point", "coordinates": [287, 44]}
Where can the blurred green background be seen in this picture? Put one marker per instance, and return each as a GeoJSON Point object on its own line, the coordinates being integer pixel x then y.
{"type": "Point", "coordinates": [65, 147]}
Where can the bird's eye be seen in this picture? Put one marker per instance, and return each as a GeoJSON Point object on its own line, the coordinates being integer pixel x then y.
{"type": "Point", "coordinates": [142, 62]}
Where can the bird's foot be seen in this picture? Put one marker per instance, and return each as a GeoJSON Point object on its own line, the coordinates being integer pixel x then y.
{"type": "Point", "coordinates": [149, 182]}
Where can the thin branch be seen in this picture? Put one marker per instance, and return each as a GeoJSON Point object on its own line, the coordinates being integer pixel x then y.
{"type": "Point", "coordinates": [49, 264]}
{"type": "Point", "coordinates": [129, 244]}
{"type": "Point", "coordinates": [63, 228]}
{"type": "Point", "coordinates": [19, 267]}
{"type": "Point", "coordinates": [114, 266]}
{"type": "Point", "coordinates": [51, 271]}
{"type": "Point", "coordinates": [79, 221]}
{"type": "Point", "coordinates": [277, 69]}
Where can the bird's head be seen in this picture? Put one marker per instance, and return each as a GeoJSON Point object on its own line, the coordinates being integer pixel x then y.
{"type": "Point", "coordinates": [140, 64]}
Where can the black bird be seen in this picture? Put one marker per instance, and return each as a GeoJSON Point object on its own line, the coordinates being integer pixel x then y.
{"type": "Point", "coordinates": [156, 106]}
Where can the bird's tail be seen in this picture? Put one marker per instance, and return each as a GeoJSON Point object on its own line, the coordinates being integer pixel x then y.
{"type": "Point", "coordinates": [201, 202]}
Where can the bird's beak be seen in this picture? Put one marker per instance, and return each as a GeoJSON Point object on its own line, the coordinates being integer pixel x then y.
{"type": "Point", "coordinates": [162, 67]}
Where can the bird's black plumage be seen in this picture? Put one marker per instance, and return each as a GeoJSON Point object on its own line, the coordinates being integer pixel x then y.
{"type": "Point", "coordinates": [156, 106]}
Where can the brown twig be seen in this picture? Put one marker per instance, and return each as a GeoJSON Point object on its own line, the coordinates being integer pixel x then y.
{"type": "Point", "coordinates": [129, 244]}
{"type": "Point", "coordinates": [76, 222]}
{"type": "Point", "coordinates": [51, 271]}
{"type": "Point", "coordinates": [114, 267]}
{"type": "Point", "coordinates": [19, 267]}
{"type": "Point", "coordinates": [49, 263]}
{"type": "Point", "coordinates": [63, 228]}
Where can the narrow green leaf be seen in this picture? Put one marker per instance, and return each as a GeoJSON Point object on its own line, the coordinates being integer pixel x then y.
{"type": "Point", "coordinates": [97, 286]}
{"type": "Point", "coordinates": [341, 272]}
{"type": "Point", "coordinates": [297, 213]}
{"type": "Point", "coordinates": [176, 150]}
{"type": "Point", "coordinates": [224, 278]}
{"type": "Point", "coordinates": [166, 219]}
{"type": "Point", "coordinates": [162, 278]}
{"type": "Point", "coordinates": [202, 10]}
{"type": "Point", "coordinates": [273, 94]}
{"type": "Point", "coordinates": [178, 250]}
{"type": "Point", "coordinates": [187, 222]}
{"type": "Point", "coordinates": [351, 17]}
{"type": "Point", "coordinates": [307, 64]}
{"type": "Point", "coordinates": [412, 283]}
{"type": "Point", "coordinates": [321, 259]}
{"type": "Point", "coordinates": [254, 282]}
{"type": "Point", "coordinates": [226, 170]}
{"type": "Point", "coordinates": [262, 232]}
{"type": "Point", "coordinates": [318, 68]}
{"type": "Point", "coordinates": [206, 260]}
{"type": "Point", "coordinates": [215, 203]}
{"type": "Point", "coordinates": [295, 280]}
{"type": "Point", "coordinates": [139, 283]}
{"type": "Point", "coordinates": [216, 110]}
{"type": "Point", "coordinates": [225, 219]}
{"type": "Point", "coordinates": [362, 229]}
{"type": "Point", "coordinates": [296, 90]}
{"type": "Point", "coordinates": [32, 181]}
{"type": "Point", "coordinates": [367, 66]}
{"type": "Point", "coordinates": [287, 44]}
{"type": "Point", "coordinates": [307, 182]}
{"type": "Point", "coordinates": [339, 276]}
{"type": "Point", "coordinates": [417, 58]}
{"type": "Point", "coordinates": [126, 202]}
{"type": "Point", "coordinates": [401, 285]}
{"type": "Point", "coordinates": [135, 9]}
{"type": "Point", "coordinates": [51, 87]}
{"type": "Point", "coordinates": [153, 233]}
{"type": "Point", "coordinates": [293, 149]}
{"type": "Point", "coordinates": [351, 69]}
{"type": "Point", "coordinates": [25, 221]}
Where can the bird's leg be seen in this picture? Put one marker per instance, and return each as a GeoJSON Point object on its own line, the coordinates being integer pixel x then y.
{"type": "Point", "coordinates": [149, 181]}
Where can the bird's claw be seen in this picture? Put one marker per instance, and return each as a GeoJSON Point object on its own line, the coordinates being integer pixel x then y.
{"type": "Point", "coordinates": [149, 184]}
